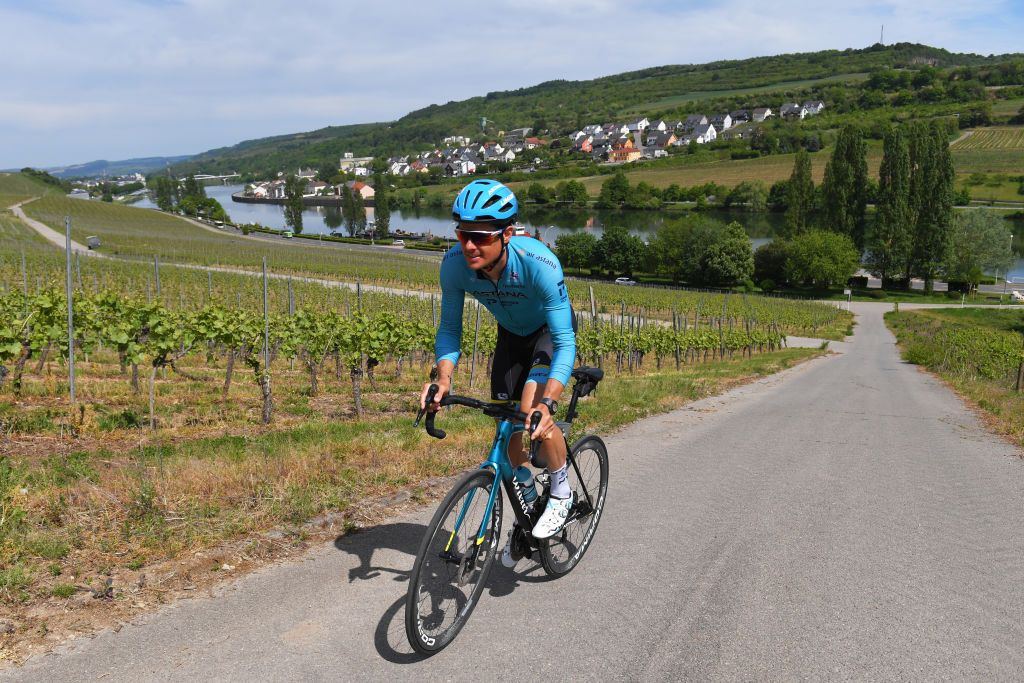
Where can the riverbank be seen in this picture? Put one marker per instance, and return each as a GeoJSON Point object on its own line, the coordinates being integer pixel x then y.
{"type": "Point", "coordinates": [321, 200]}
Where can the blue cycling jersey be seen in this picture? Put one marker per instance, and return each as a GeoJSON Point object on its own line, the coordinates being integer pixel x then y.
{"type": "Point", "coordinates": [529, 294]}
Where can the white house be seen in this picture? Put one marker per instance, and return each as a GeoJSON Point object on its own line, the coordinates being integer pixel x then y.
{"type": "Point", "coordinates": [792, 110]}
{"type": "Point", "coordinates": [762, 113]}
{"type": "Point", "coordinates": [721, 121]}
{"type": "Point", "coordinates": [814, 107]}
{"type": "Point", "coordinates": [704, 134]}
{"type": "Point", "coordinates": [638, 126]}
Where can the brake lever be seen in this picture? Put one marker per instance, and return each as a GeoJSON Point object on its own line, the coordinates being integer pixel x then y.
{"type": "Point", "coordinates": [431, 392]}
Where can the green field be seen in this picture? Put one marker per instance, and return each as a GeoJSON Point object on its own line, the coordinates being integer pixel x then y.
{"type": "Point", "coordinates": [1005, 109]}
{"type": "Point", "coordinates": [725, 172]}
{"type": "Point", "coordinates": [15, 187]}
{"type": "Point", "coordinates": [777, 88]}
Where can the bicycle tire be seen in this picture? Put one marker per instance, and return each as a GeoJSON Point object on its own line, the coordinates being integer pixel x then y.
{"type": "Point", "coordinates": [560, 554]}
{"type": "Point", "coordinates": [437, 578]}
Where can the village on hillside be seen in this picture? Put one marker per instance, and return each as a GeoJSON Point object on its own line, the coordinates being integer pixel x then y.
{"type": "Point", "coordinates": [610, 143]}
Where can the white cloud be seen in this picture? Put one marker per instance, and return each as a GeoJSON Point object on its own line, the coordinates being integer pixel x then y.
{"type": "Point", "coordinates": [180, 77]}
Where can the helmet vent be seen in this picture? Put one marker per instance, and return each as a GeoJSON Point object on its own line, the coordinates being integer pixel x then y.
{"type": "Point", "coordinates": [491, 202]}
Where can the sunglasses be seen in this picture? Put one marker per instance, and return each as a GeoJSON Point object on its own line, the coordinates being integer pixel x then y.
{"type": "Point", "coordinates": [481, 239]}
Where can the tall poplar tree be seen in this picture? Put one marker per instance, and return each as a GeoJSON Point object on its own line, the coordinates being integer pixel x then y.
{"type": "Point", "coordinates": [891, 238]}
{"type": "Point", "coordinates": [348, 209]}
{"type": "Point", "coordinates": [931, 198]}
{"type": "Point", "coordinates": [799, 195]}
{"type": "Point", "coordinates": [358, 211]}
{"type": "Point", "coordinates": [382, 207]}
{"type": "Point", "coordinates": [845, 188]}
{"type": "Point", "coordinates": [293, 188]}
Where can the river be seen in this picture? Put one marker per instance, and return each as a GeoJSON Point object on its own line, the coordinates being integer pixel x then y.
{"type": "Point", "coordinates": [760, 227]}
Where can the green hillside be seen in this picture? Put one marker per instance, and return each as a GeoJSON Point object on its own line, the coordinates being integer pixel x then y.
{"type": "Point", "coordinates": [562, 106]}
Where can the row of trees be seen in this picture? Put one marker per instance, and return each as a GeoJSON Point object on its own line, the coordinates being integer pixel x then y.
{"type": "Point", "coordinates": [187, 197]}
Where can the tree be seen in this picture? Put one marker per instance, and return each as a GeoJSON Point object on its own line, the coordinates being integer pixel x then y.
{"type": "Point", "coordinates": [799, 195]}
{"type": "Point", "coordinates": [931, 199]}
{"type": "Point", "coordinates": [845, 188]}
{"type": "Point", "coordinates": [538, 193]}
{"type": "Point", "coordinates": [572, 192]}
{"type": "Point", "coordinates": [576, 249]}
{"type": "Point", "coordinates": [193, 188]}
{"type": "Point", "coordinates": [165, 190]}
{"type": "Point", "coordinates": [979, 241]}
{"type": "Point", "coordinates": [348, 210]}
{"type": "Point", "coordinates": [358, 211]}
{"type": "Point", "coordinates": [770, 263]}
{"type": "Point", "coordinates": [890, 244]}
{"type": "Point", "coordinates": [619, 252]}
{"type": "Point", "coordinates": [729, 260]}
{"type": "Point", "coordinates": [750, 194]}
{"type": "Point", "coordinates": [382, 208]}
{"type": "Point", "coordinates": [293, 189]}
{"type": "Point", "coordinates": [703, 251]}
{"type": "Point", "coordinates": [614, 191]}
{"type": "Point", "coordinates": [821, 258]}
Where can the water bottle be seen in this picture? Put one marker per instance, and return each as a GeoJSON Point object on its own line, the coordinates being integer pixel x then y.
{"type": "Point", "coordinates": [526, 485]}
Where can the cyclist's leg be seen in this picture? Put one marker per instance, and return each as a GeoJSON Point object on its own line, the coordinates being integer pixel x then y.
{"type": "Point", "coordinates": [511, 364]}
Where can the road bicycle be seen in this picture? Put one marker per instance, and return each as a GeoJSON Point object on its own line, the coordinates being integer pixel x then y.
{"type": "Point", "coordinates": [459, 547]}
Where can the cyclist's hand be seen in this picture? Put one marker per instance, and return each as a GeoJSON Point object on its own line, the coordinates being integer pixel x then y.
{"type": "Point", "coordinates": [546, 429]}
{"type": "Point", "coordinates": [442, 390]}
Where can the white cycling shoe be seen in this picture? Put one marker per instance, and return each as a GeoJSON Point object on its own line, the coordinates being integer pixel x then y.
{"type": "Point", "coordinates": [554, 517]}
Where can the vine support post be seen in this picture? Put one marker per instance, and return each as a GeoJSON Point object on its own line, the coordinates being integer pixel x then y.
{"type": "Point", "coordinates": [71, 306]}
{"type": "Point", "coordinates": [359, 297]}
{"type": "Point", "coordinates": [433, 310]}
{"type": "Point", "coordinates": [156, 271]}
{"type": "Point", "coordinates": [209, 286]}
{"type": "Point", "coordinates": [24, 282]}
{"type": "Point", "coordinates": [266, 322]}
{"type": "Point", "coordinates": [593, 304]}
{"type": "Point", "coordinates": [291, 298]}
{"type": "Point", "coordinates": [476, 337]}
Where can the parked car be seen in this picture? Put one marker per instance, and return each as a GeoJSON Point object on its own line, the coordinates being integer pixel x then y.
{"type": "Point", "coordinates": [398, 243]}
{"type": "Point", "coordinates": [624, 281]}
{"type": "Point", "coordinates": [287, 234]}
{"type": "Point", "coordinates": [1016, 296]}
{"type": "Point", "coordinates": [92, 242]}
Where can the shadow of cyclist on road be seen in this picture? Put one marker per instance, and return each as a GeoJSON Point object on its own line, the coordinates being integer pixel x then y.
{"type": "Point", "coordinates": [404, 537]}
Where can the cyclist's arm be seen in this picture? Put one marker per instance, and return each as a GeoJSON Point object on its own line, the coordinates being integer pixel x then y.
{"type": "Point", "coordinates": [558, 313]}
{"type": "Point", "coordinates": [448, 341]}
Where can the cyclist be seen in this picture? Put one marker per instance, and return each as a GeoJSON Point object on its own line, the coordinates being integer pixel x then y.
{"type": "Point", "coordinates": [519, 280]}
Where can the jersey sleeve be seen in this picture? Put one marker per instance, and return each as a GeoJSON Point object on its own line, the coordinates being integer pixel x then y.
{"type": "Point", "coordinates": [558, 315]}
{"type": "Point", "coordinates": [453, 297]}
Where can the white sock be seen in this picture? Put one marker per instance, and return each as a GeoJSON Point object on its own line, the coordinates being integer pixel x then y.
{"type": "Point", "coordinates": [560, 482]}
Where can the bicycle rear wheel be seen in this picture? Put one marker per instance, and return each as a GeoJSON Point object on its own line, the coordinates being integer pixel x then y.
{"type": "Point", "coordinates": [589, 482]}
{"type": "Point", "coordinates": [452, 566]}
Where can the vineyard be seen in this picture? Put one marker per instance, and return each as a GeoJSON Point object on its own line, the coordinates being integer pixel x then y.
{"type": "Point", "coordinates": [1006, 138]}
{"type": "Point", "coordinates": [212, 405]}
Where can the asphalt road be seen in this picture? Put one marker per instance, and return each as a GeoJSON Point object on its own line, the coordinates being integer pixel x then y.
{"type": "Point", "coordinates": [846, 519]}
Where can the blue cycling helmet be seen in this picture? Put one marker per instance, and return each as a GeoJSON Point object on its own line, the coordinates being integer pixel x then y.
{"type": "Point", "coordinates": [486, 201]}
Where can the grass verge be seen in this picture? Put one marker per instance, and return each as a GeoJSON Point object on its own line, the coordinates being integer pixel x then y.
{"type": "Point", "coordinates": [984, 373]}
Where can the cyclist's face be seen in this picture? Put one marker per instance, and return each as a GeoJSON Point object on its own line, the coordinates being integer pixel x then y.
{"type": "Point", "coordinates": [480, 246]}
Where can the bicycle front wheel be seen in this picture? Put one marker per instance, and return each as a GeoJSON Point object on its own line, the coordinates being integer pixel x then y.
{"type": "Point", "coordinates": [588, 480]}
{"type": "Point", "coordinates": [452, 564]}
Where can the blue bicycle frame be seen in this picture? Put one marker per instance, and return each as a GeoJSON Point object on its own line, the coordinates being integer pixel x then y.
{"type": "Point", "coordinates": [498, 462]}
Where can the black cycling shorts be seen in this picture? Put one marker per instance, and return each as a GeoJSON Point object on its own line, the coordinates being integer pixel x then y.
{"type": "Point", "coordinates": [520, 359]}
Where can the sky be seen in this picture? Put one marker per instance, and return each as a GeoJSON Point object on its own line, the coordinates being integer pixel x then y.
{"type": "Point", "coordinates": [99, 79]}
